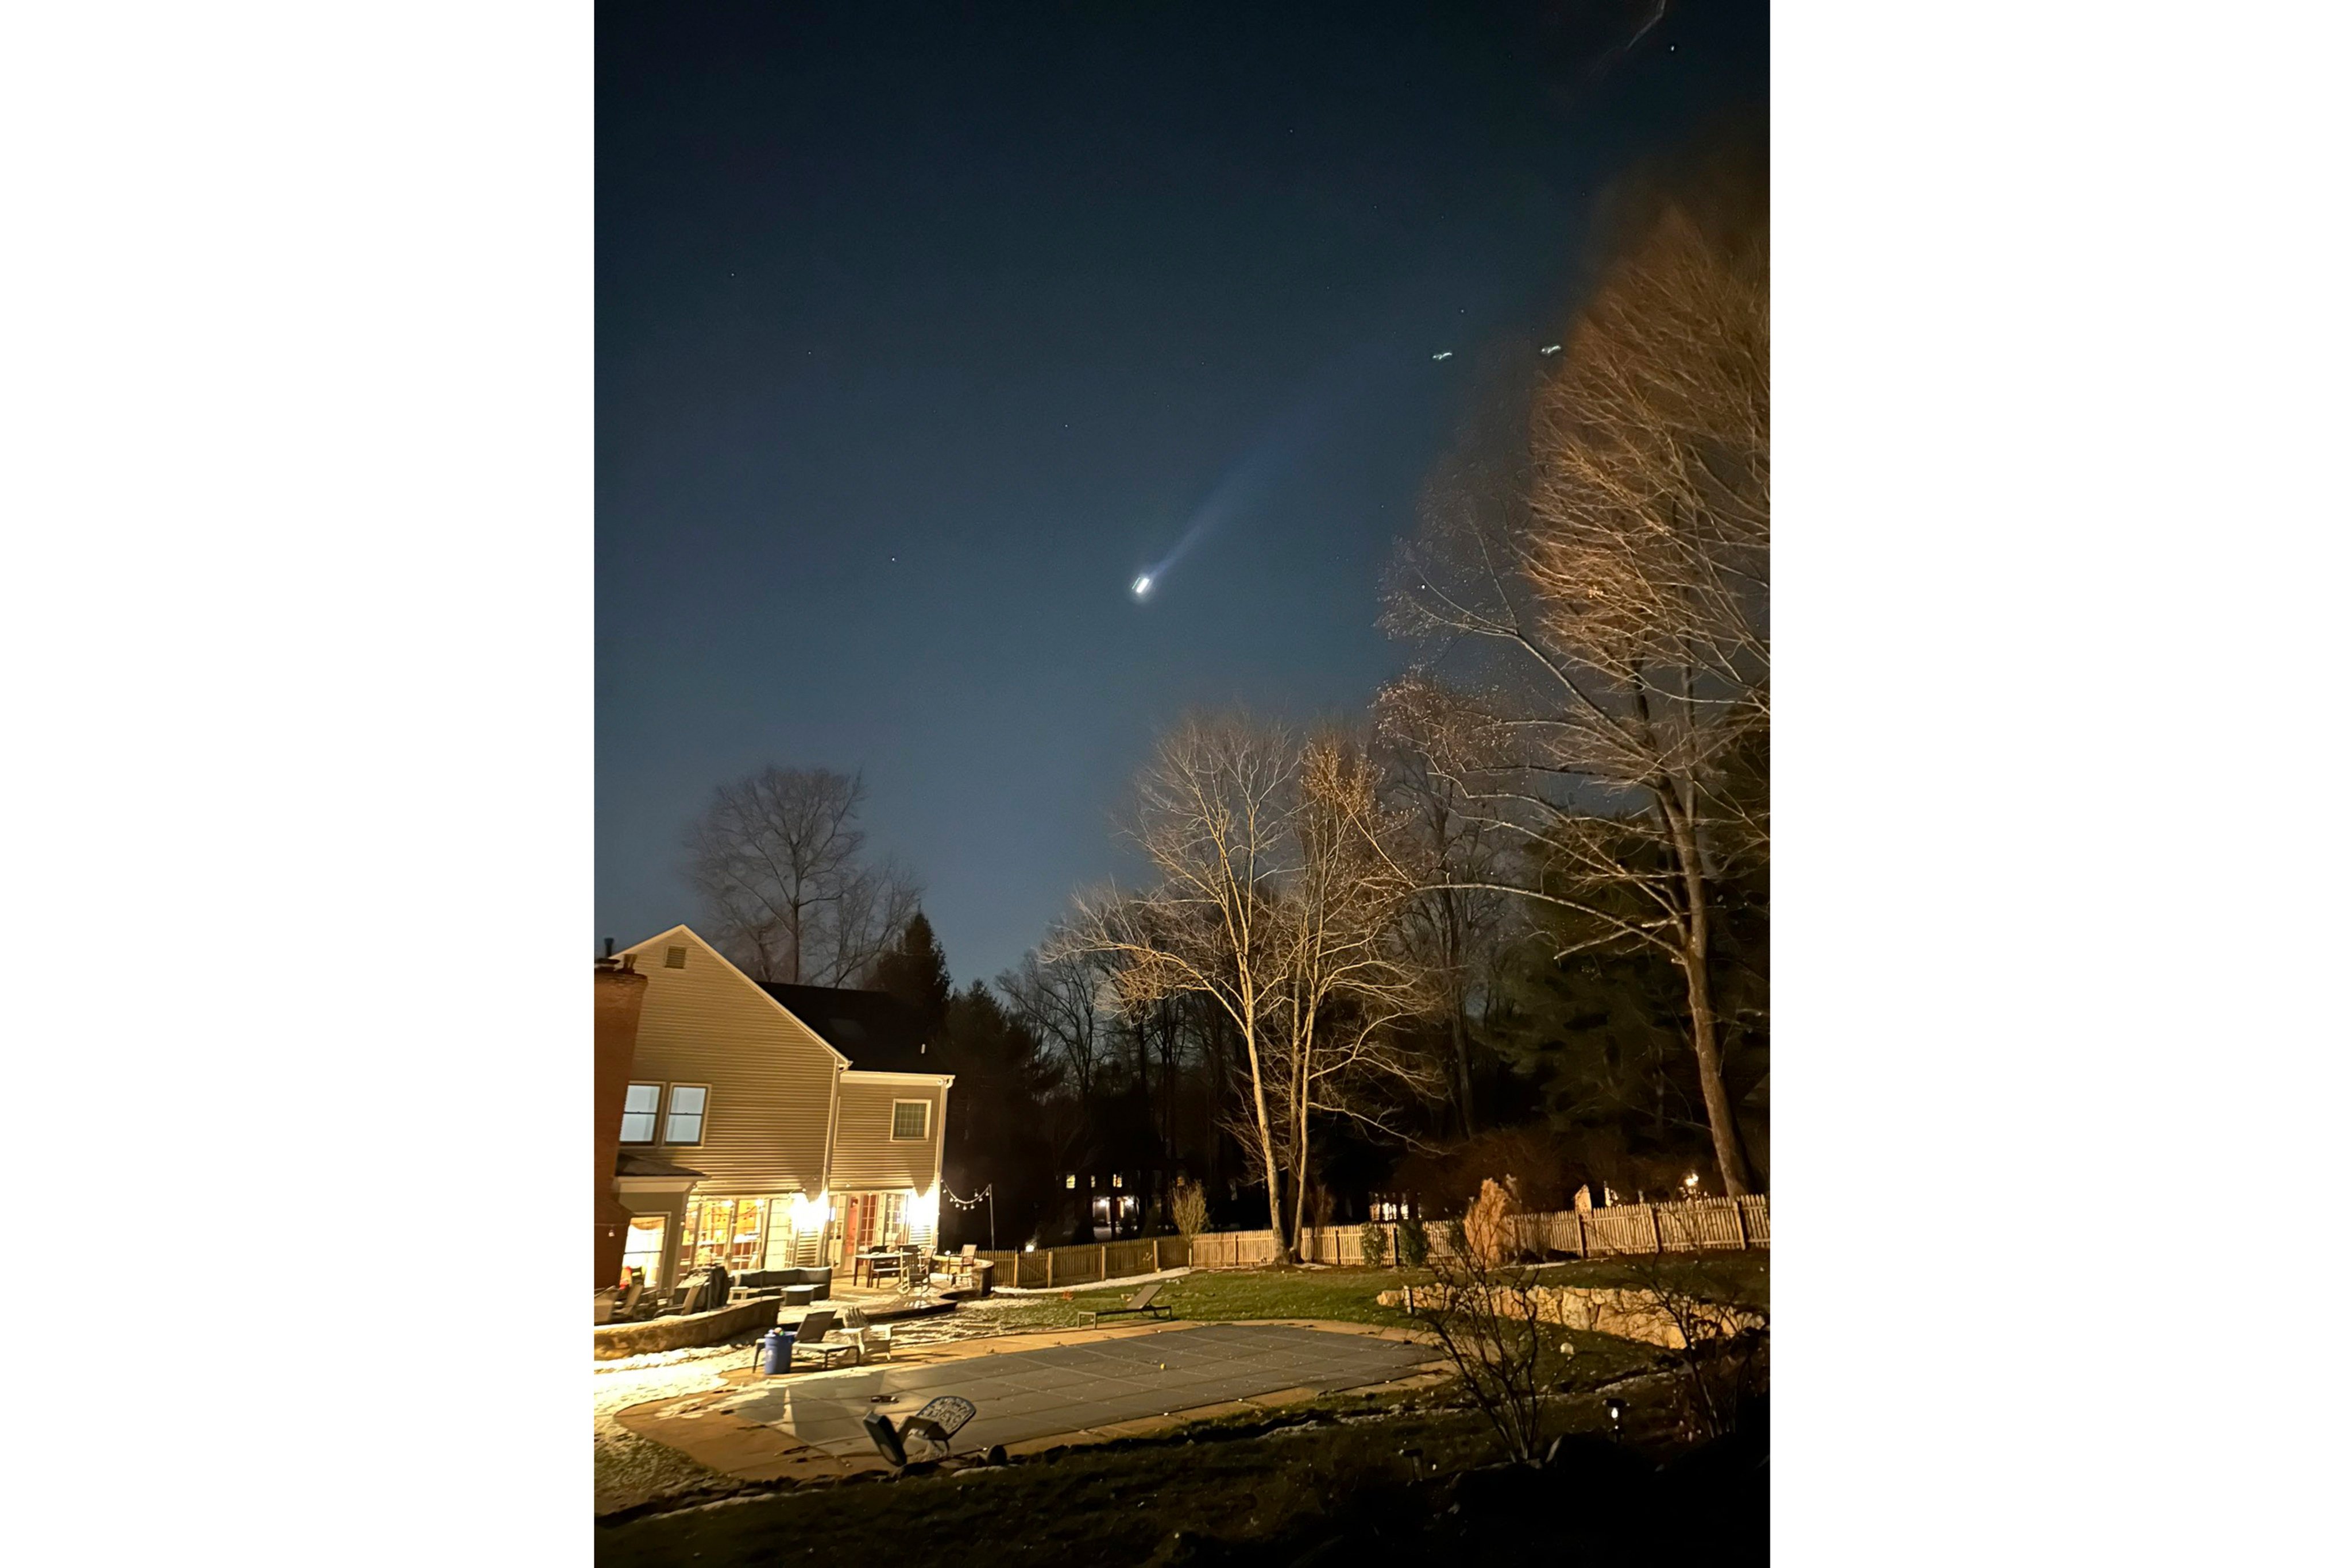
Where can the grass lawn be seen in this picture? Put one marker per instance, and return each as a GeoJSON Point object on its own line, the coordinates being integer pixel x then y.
{"type": "Point", "coordinates": [1350, 1295]}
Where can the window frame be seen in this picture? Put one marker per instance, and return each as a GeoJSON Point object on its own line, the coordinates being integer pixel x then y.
{"type": "Point", "coordinates": [922, 1137]}
{"type": "Point", "coordinates": [701, 1116]}
{"type": "Point", "coordinates": [652, 1134]}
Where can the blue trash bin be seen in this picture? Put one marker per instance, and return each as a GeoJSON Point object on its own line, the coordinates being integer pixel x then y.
{"type": "Point", "coordinates": [776, 1351]}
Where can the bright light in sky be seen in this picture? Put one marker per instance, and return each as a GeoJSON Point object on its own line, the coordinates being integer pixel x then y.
{"type": "Point", "coordinates": [1143, 584]}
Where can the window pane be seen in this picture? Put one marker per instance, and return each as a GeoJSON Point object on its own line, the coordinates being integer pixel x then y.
{"type": "Point", "coordinates": [638, 1127]}
{"type": "Point", "coordinates": [687, 1099]}
{"type": "Point", "coordinates": [909, 1119]}
{"type": "Point", "coordinates": [682, 1130]}
{"type": "Point", "coordinates": [645, 1097]}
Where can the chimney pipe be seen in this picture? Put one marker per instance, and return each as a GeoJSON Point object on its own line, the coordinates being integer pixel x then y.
{"type": "Point", "coordinates": [608, 947]}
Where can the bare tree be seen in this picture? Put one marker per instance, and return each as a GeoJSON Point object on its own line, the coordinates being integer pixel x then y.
{"type": "Point", "coordinates": [777, 859]}
{"type": "Point", "coordinates": [1350, 980]}
{"type": "Point", "coordinates": [1275, 902]}
{"type": "Point", "coordinates": [1060, 999]}
{"type": "Point", "coordinates": [1617, 579]}
{"type": "Point", "coordinates": [1454, 923]}
{"type": "Point", "coordinates": [1212, 812]}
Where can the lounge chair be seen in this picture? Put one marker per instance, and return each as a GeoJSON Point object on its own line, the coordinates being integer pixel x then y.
{"type": "Point", "coordinates": [1142, 1304]}
{"type": "Point", "coordinates": [815, 1336]}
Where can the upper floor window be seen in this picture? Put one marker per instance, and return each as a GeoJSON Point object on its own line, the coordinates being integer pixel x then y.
{"type": "Point", "coordinates": [637, 1112]}
{"type": "Point", "coordinates": [910, 1121]}
{"type": "Point", "coordinates": [686, 1104]}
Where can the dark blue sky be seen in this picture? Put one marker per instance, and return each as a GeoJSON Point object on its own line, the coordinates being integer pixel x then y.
{"type": "Point", "coordinates": [1008, 294]}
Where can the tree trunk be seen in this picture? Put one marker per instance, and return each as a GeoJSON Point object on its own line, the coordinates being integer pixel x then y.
{"type": "Point", "coordinates": [1266, 1137]}
{"type": "Point", "coordinates": [1693, 956]}
{"type": "Point", "coordinates": [1461, 1067]}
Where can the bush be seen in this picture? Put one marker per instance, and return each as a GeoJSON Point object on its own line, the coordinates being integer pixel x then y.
{"type": "Point", "coordinates": [1190, 1206]}
{"type": "Point", "coordinates": [1413, 1242]}
{"type": "Point", "coordinates": [1376, 1245]}
{"type": "Point", "coordinates": [1488, 1229]}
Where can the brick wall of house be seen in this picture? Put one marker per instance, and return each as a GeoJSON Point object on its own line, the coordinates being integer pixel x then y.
{"type": "Point", "coordinates": [620, 1002]}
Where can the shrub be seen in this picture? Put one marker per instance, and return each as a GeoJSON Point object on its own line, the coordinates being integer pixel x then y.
{"type": "Point", "coordinates": [1189, 1205]}
{"type": "Point", "coordinates": [1413, 1242]}
{"type": "Point", "coordinates": [1488, 1229]}
{"type": "Point", "coordinates": [1376, 1245]}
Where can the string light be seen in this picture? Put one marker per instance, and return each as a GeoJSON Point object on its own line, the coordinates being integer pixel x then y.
{"type": "Point", "coordinates": [974, 1202]}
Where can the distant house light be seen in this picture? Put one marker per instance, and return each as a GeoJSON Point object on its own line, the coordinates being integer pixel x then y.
{"type": "Point", "coordinates": [1070, 1182]}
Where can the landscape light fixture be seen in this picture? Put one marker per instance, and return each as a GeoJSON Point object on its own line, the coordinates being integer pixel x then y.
{"type": "Point", "coordinates": [1616, 1408]}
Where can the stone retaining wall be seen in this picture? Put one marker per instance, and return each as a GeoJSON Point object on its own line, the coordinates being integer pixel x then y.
{"type": "Point", "coordinates": [1628, 1314]}
{"type": "Point", "coordinates": [614, 1341]}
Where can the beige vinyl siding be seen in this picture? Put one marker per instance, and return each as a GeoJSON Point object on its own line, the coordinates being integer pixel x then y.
{"type": "Point", "coordinates": [863, 1157]}
{"type": "Point", "coordinates": [771, 1078]}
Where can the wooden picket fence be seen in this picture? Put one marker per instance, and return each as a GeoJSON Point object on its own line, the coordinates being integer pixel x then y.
{"type": "Point", "coordinates": [1053, 1267]}
{"type": "Point", "coordinates": [1701, 1224]}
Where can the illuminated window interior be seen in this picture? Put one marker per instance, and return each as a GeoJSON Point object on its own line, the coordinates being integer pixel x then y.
{"type": "Point", "coordinates": [643, 1250]}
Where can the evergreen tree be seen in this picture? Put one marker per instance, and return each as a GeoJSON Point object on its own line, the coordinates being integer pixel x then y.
{"type": "Point", "coordinates": [916, 972]}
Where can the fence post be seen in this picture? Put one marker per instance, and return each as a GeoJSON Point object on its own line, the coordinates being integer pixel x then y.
{"type": "Point", "coordinates": [1657, 1237]}
{"type": "Point", "coordinates": [1739, 1218]}
{"type": "Point", "coordinates": [1583, 1241]}
{"type": "Point", "coordinates": [1102, 1263]}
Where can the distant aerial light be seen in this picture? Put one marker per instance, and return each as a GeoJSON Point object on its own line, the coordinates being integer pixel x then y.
{"type": "Point", "coordinates": [1143, 584]}
{"type": "Point", "coordinates": [1447, 354]}
{"type": "Point", "coordinates": [1550, 349]}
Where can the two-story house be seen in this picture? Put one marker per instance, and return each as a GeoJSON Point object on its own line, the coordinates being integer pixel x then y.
{"type": "Point", "coordinates": [772, 1126]}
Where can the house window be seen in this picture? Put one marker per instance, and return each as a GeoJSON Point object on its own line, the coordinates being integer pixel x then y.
{"type": "Point", "coordinates": [637, 1112]}
{"type": "Point", "coordinates": [722, 1230]}
{"type": "Point", "coordinates": [685, 1102]}
{"type": "Point", "coordinates": [910, 1121]}
{"type": "Point", "coordinates": [673, 959]}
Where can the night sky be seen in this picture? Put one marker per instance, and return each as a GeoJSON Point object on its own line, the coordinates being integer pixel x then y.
{"type": "Point", "coordinates": [921, 332]}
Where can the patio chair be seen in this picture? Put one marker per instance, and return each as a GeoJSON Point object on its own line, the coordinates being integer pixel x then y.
{"type": "Point", "coordinates": [872, 1339]}
{"type": "Point", "coordinates": [816, 1338]}
{"type": "Point", "coordinates": [935, 1426]}
{"type": "Point", "coordinates": [1144, 1304]}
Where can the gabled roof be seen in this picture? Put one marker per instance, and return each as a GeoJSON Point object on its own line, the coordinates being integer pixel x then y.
{"type": "Point", "coordinates": [878, 1032]}
{"type": "Point", "coordinates": [648, 945]}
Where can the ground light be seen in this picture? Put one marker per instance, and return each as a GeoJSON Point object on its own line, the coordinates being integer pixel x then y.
{"type": "Point", "coordinates": [1616, 1408]}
